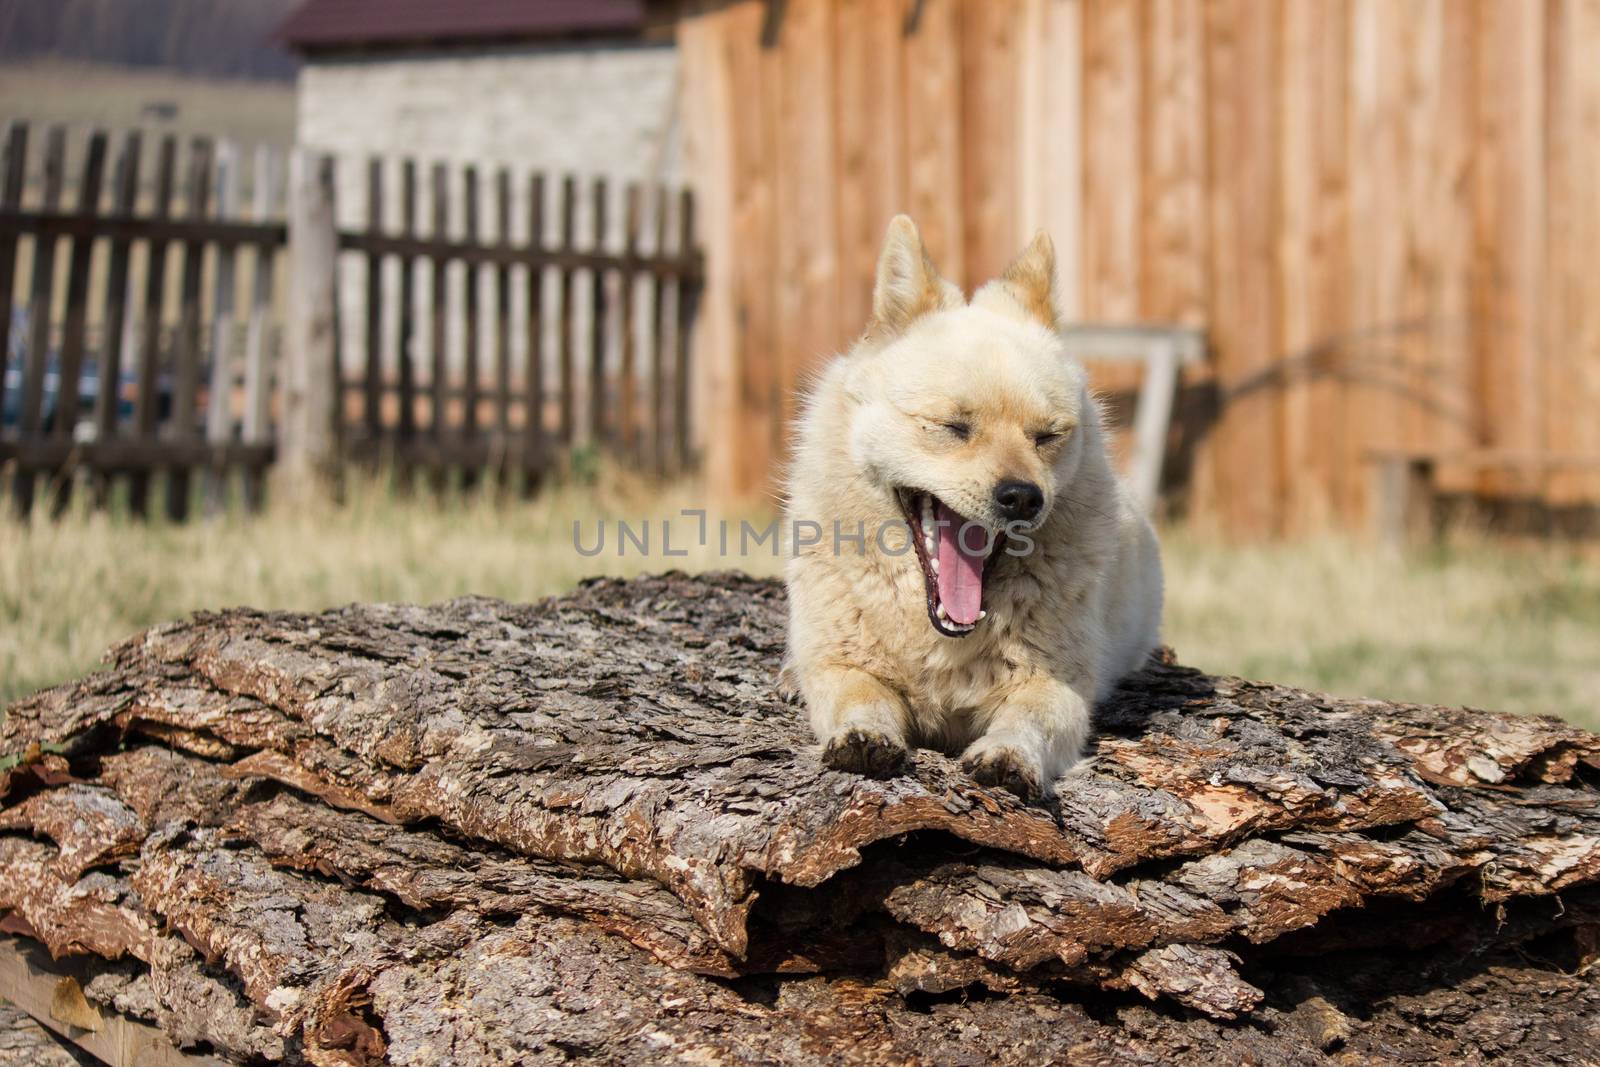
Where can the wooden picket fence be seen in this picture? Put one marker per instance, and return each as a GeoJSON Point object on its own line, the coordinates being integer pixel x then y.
{"type": "Point", "coordinates": [152, 348]}
{"type": "Point", "coordinates": [620, 385]}
{"type": "Point", "coordinates": [197, 341]}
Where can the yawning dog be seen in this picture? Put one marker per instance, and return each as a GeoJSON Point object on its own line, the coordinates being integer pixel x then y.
{"type": "Point", "coordinates": [985, 576]}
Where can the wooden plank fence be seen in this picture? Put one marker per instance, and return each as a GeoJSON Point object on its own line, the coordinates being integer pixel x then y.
{"type": "Point", "coordinates": [1383, 215]}
{"type": "Point", "coordinates": [502, 404]}
{"type": "Point", "coordinates": [143, 358]}
{"type": "Point", "coordinates": [196, 342]}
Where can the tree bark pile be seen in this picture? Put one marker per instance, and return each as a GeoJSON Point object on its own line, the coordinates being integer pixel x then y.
{"type": "Point", "coordinates": [487, 833]}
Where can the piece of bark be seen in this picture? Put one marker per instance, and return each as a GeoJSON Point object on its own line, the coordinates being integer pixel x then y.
{"type": "Point", "coordinates": [617, 762]}
{"type": "Point", "coordinates": [198, 1006]}
{"type": "Point", "coordinates": [163, 786]}
{"type": "Point", "coordinates": [29, 767]}
{"type": "Point", "coordinates": [504, 715]}
{"type": "Point", "coordinates": [1456, 746]}
{"type": "Point", "coordinates": [191, 1003]}
{"type": "Point", "coordinates": [95, 914]}
{"type": "Point", "coordinates": [101, 915]}
{"type": "Point", "coordinates": [125, 989]}
{"type": "Point", "coordinates": [1023, 915]}
{"type": "Point", "coordinates": [280, 933]}
{"type": "Point", "coordinates": [917, 963]}
{"type": "Point", "coordinates": [558, 990]}
{"type": "Point", "coordinates": [1197, 976]}
{"type": "Point", "coordinates": [280, 768]}
{"type": "Point", "coordinates": [426, 873]}
{"type": "Point", "coordinates": [88, 824]}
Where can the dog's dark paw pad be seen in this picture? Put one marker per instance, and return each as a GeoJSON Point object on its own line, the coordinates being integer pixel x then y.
{"type": "Point", "coordinates": [864, 752]}
{"type": "Point", "coordinates": [1005, 769]}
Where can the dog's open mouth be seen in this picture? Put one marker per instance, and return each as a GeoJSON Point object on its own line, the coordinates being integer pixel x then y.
{"type": "Point", "coordinates": [955, 555]}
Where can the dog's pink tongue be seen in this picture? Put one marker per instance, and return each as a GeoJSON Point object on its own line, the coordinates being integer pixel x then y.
{"type": "Point", "coordinates": [961, 560]}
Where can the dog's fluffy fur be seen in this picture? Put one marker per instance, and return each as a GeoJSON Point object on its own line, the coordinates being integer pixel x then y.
{"type": "Point", "coordinates": [950, 399]}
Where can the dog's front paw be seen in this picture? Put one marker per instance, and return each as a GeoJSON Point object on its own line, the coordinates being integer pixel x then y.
{"type": "Point", "coordinates": [863, 751]}
{"type": "Point", "coordinates": [1004, 766]}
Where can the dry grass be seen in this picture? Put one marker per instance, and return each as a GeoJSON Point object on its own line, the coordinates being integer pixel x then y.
{"type": "Point", "coordinates": [1471, 622]}
{"type": "Point", "coordinates": [68, 589]}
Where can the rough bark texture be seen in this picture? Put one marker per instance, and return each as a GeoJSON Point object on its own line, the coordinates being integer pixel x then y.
{"type": "Point", "coordinates": [487, 833]}
{"type": "Point", "coordinates": [24, 1043]}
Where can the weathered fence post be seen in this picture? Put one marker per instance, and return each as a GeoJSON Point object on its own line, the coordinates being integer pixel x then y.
{"type": "Point", "coordinates": [255, 427]}
{"type": "Point", "coordinates": [219, 388]}
{"type": "Point", "coordinates": [309, 435]}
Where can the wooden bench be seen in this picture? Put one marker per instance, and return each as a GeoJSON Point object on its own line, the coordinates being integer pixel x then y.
{"type": "Point", "coordinates": [1163, 350]}
{"type": "Point", "coordinates": [1406, 490]}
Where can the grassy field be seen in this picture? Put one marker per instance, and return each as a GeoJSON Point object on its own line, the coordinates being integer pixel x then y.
{"type": "Point", "coordinates": [1471, 622]}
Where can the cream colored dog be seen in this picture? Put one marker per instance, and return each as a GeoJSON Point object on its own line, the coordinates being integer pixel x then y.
{"type": "Point", "coordinates": [1007, 580]}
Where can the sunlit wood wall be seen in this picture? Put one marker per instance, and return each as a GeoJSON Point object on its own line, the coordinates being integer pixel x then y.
{"type": "Point", "coordinates": [1386, 214]}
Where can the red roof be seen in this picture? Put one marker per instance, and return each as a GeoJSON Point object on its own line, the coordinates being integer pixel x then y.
{"type": "Point", "coordinates": [318, 24]}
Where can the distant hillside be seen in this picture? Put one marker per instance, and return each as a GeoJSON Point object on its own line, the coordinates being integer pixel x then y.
{"type": "Point", "coordinates": [219, 38]}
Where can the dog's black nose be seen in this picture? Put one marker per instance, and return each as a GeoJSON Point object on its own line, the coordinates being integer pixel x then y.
{"type": "Point", "coordinates": [1019, 501]}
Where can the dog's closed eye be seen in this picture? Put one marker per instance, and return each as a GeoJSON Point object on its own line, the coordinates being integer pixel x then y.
{"type": "Point", "coordinates": [959, 430]}
{"type": "Point", "coordinates": [1045, 439]}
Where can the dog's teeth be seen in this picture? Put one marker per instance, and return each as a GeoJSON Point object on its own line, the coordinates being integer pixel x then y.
{"type": "Point", "coordinates": [943, 614]}
{"type": "Point", "coordinates": [933, 561]}
{"type": "Point", "coordinates": [928, 543]}
{"type": "Point", "coordinates": [982, 615]}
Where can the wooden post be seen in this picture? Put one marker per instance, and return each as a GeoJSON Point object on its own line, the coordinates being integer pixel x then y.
{"type": "Point", "coordinates": [372, 380]}
{"type": "Point", "coordinates": [1404, 492]}
{"type": "Point", "coordinates": [688, 300]}
{"type": "Point", "coordinates": [116, 327]}
{"type": "Point", "coordinates": [567, 418]}
{"type": "Point", "coordinates": [405, 366]}
{"type": "Point", "coordinates": [75, 329]}
{"type": "Point", "coordinates": [660, 425]}
{"type": "Point", "coordinates": [12, 173]}
{"type": "Point", "coordinates": [68, 391]}
{"type": "Point", "coordinates": [219, 385]}
{"type": "Point", "coordinates": [472, 272]}
{"type": "Point", "coordinates": [439, 319]}
{"type": "Point", "coordinates": [1152, 420]}
{"type": "Point", "coordinates": [257, 374]}
{"type": "Point", "coordinates": [599, 431]}
{"type": "Point", "coordinates": [627, 373]}
{"type": "Point", "coordinates": [308, 439]}
{"type": "Point", "coordinates": [502, 326]}
{"type": "Point", "coordinates": [146, 404]}
{"type": "Point", "coordinates": [472, 279]}
{"type": "Point", "coordinates": [533, 447]}
{"type": "Point", "coordinates": [186, 372]}
{"type": "Point", "coordinates": [30, 418]}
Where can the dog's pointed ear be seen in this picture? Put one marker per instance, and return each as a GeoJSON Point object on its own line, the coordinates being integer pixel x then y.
{"type": "Point", "coordinates": [1027, 289]}
{"type": "Point", "coordinates": [908, 285]}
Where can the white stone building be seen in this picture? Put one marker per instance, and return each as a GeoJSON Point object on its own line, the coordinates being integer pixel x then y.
{"type": "Point", "coordinates": [581, 87]}
{"type": "Point", "coordinates": [564, 86]}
